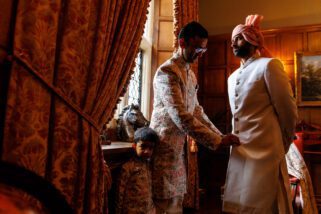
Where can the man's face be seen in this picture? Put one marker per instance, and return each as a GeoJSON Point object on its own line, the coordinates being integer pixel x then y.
{"type": "Point", "coordinates": [144, 149]}
{"type": "Point", "coordinates": [194, 48]}
{"type": "Point", "coordinates": [241, 48]}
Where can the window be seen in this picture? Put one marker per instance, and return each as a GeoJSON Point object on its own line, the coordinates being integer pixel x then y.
{"type": "Point", "coordinates": [135, 85]}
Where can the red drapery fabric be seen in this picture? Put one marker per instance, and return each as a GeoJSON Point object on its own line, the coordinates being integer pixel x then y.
{"type": "Point", "coordinates": [69, 63]}
{"type": "Point", "coordinates": [186, 11]}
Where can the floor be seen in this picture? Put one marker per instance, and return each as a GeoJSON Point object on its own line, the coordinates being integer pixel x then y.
{"type": "Point", "coordinates": [213, 205]}
{"type": "Point", "coordinates": [209, 204]}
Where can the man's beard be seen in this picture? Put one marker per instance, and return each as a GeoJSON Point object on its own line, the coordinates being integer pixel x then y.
{"type": "Point", "coordinates": [243, 51]}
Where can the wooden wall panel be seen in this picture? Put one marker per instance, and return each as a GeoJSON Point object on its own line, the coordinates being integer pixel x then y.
{"type": "Point", "coordinates": [217, 51]}
{"type": "Point", "coordinates": [163, 56]}
{"type": "Point", "coordinates": [271, 44]}
{"type": "Point", "coordinates": [289, 69]}
{"type": "Point", "coordinates": [166, 8]}
{"type": "Point", "coordinates": [314, 116]}
{"type": "Point", "coordinates": [314, 41]}
{"type": "Point", "coordinates": [290, 42]}
{"type": "Point", "coordinates": [165, 41]}
{"type": "Point", "coordinates": [215, 82]}
{"type": "Point", "coordinates": [216, 110]}
{"type": "Point", "coordinates": [310, 114]}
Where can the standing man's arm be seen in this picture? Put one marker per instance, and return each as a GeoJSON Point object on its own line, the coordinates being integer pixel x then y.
{"type": "Point", "coordinates": [201, 116]}
{"type": "Point", "coordinates": [168, 85]}
{"type": "Point", "coordinates": [282, 99]}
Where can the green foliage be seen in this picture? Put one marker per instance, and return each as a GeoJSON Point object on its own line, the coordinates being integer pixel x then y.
{"type": "Point", "coordinates": [311, 83]}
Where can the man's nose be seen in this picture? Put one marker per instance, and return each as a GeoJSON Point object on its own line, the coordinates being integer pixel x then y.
{"type": "Point", "coordinates": [233, 43]}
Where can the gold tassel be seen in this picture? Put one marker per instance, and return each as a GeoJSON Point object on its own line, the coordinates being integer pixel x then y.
{"type": "Point", "coordinates": [193, 147]}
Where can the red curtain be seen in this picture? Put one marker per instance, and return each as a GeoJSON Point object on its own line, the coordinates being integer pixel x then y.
{"type": "Point", "coordinates": [69, 63]}
{"type": "Point", "coordinates": [186, 11]}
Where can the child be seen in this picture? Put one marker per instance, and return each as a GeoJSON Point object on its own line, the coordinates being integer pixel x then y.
{"type": "Point", "coordinates": [134, 191]}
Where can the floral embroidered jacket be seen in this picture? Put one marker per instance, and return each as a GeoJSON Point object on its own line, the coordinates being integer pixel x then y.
{"type": "Point", "coordinates": [134, 189]}
{"type": "Point", "coordinates": [176, 114]}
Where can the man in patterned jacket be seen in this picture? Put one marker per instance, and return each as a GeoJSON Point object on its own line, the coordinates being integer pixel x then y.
{"type": "Point", "coordinates": [176, 114]}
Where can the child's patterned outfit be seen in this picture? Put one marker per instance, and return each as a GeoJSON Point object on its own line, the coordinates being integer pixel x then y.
{"type": "Point", "coordinates": [134, 195]}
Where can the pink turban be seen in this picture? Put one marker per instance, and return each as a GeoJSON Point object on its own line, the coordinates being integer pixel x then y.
{"type": "Point", "coordinates": [252, 34]}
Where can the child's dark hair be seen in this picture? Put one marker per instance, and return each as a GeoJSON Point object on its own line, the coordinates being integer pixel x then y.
{"type": "Point", "coordinates": [146, 134]}
{"type": "Point", "coordinates": [192, 30]}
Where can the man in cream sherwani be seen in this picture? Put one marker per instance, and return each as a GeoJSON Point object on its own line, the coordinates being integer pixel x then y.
{"type": "Point", "coordinates": [264, 118]}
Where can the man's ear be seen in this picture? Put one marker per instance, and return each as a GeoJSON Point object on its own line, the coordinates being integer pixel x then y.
{"type": "Point", "coordinates": [181, 42]}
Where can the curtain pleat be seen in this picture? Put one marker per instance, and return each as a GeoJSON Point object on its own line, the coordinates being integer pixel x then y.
{"type": "Point", "coordinates": [72, 60]}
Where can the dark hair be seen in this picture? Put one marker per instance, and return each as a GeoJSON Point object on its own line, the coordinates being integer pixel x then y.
{"type": "Point", "coordinates": [146, 134]}
{"type": "Point", "coordinates": [192, 30]}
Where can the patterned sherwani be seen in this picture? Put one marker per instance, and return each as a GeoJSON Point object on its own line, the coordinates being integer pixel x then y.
{"type": "Point", "coordinates": [134, 190]}
{"type": "Point", "coordinates": [176, 114]}
{"type": "Point", "coordinates": [264, 118]}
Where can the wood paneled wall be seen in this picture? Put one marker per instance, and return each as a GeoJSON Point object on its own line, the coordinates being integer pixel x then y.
{"type": "Point", "coordinates": [219, 62]}
{"type": "Point", "coordinates": [163, 32]}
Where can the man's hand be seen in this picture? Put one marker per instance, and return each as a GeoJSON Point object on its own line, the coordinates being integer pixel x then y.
{"type": "Point", "coordinates": [230, 140]}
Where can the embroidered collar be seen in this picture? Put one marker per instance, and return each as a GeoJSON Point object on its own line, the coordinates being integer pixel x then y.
{"type": "Point", "coordinates": [179, 60]}
{"type": "Point", "coordinates": [249, 61]}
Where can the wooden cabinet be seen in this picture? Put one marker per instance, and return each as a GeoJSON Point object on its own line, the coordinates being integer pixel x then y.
{"type": "Point", "coordinates": [115, 155]}
{"type": "Point", "coordinates": [313, 161]}
{"type": "Point", "coordinates": [311, 142]}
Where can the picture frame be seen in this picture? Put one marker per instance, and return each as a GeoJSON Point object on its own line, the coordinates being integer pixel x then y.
{"type": "Point", "coordinates": [308, 78]}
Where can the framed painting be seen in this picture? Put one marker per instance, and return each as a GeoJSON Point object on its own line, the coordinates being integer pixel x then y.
{"type": "Point", "coordinates": [308, 78]}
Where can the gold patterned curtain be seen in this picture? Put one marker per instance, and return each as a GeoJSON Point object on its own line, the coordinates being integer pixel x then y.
{"type": "Point", "coordinates": [186, 11]}
{"type": "Point", "coordinates": [64, 65]}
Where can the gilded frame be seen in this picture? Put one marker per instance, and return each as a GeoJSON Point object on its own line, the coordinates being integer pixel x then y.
{"type": "Point", "coordinates": [308, 78]}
